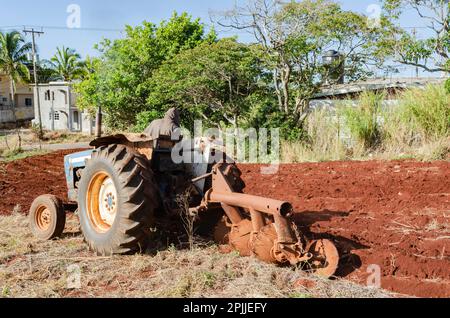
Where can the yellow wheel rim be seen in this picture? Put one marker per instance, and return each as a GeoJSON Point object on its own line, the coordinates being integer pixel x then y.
{"type": "Point", "coordinates": [101, 202]}
{"type": "Point", "coordinates": [43, 218]}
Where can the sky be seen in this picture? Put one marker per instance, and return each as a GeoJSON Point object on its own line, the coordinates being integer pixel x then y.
{"type": "Point", "coordinates": [106, 18]}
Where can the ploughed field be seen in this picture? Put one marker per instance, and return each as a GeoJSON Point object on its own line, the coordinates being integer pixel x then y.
{"type": "Point", "coordinates": [392, 217]}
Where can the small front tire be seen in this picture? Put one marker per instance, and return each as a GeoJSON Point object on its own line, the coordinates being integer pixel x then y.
{"type": "Point", "coordinates": [47, 217]}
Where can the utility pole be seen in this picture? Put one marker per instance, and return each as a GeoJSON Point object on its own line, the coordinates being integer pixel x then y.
{"type": "Point", "coordinates": [98, 122]}
{"type": "Point", "coordinates": [36, 82]}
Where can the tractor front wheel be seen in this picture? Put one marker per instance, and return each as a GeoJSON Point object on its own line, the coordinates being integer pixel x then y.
{"type": "Point", "coordinates": [47, 217]}
{"type": "Point", "coordinates": [117, 197]}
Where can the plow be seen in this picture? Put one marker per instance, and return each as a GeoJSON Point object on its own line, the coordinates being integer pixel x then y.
{"type": "Point", "coordinates": [128, 184]}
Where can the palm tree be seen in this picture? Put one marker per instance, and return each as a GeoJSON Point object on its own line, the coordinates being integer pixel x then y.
{"type": "Point", "coordinates": [13, 60]}
{"type": "Point", "coordinates": [67, 64]}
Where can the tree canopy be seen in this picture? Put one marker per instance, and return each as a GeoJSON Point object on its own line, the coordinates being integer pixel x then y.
{"type": "Point", "coordinates": [13, 56]}
{"type": "Point", "coordinates": [212, 81]}
{"type": "Point", "coordinates": [262, 84]}
{"type": "Point", "coordinates": [123, 74]}
{"type": "Point", "coordinates": [66, 64]}
{"type": "Point", "coordinates": [430, 53]}
{"type": "Point", "coordinates": [295, 35]}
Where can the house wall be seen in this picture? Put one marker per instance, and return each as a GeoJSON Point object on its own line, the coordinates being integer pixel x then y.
{"type": "Point", "coordinates": [23, 112]}
{"type": "Point", "coordinates": [54, 104]}
{"type": "Point", "coordinates": [60, 99]}
{"type": "Point", "coordinates": [337, 103]}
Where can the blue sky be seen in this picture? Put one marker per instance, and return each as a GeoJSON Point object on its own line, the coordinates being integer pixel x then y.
{"type": "Point", "coordinates": [113, 15]}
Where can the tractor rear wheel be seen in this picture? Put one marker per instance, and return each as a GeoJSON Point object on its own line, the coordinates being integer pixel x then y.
{"type": "Point", "coordinates": [117, 197]}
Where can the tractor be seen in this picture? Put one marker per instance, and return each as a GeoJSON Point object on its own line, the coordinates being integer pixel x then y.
{"type": "Point", "coordinates": [127, 184]}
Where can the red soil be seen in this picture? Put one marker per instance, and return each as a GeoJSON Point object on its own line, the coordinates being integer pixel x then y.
{"type": "Point", "coordinates": [23, 180]}
{"type": "Point", "coordinates": [392, 214]}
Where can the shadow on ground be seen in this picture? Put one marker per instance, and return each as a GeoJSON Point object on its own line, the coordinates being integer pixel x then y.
{"type": "Point", "coordinates": [348, 262]}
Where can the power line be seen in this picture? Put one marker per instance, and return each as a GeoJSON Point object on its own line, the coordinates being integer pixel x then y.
{"type": "Point", "coordinates": [50, 27]}
{"type": "Point", "coordinates": [42, 27]}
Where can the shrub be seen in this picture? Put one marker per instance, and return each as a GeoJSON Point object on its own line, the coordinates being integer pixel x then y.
{"type": "Point", "coordinates": [323, 141]}
{"type": "Point", "coordinates": [427, 110]}
{"type": "Point", "coordinates": [35, 128]}
{"type": "Point", "coordinates": [144, 119]}
{"type": "Point", "coordinates": [362, 120]}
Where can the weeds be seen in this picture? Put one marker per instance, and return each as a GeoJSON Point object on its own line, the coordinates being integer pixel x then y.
{"type": "Point", "coordinates": [427, 111]}
{"type": "Point", "coordinates": [363, 120]}
{"type": "Point", "coordinates": [418, 128]}
{"type": "Point", "coordinates": [187, 219]}
{"type": "Point", "coordinates": [200, 272]}
{"type": "Point", "coordinates": [325, 139]}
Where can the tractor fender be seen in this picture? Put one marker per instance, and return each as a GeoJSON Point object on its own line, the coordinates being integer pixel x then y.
{"type": "Point", "coordinates": [141, 143]}
{"type": "Point", "coordinates": [122, 139]}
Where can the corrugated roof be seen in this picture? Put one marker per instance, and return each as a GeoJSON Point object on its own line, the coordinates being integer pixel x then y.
{"type": "Point", "coordinates": [377, 84]}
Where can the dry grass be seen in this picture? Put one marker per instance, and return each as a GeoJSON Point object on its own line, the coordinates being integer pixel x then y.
{"type": "Point", "coordinates": [418, 128]}
{"type": "Point", "coordinates": [325, 142]}
{"type": "Point", "coordinates": [29, 268]}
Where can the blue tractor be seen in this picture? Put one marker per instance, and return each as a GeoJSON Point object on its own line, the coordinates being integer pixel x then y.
{"type": "Point", "coordinates": [127, 184]}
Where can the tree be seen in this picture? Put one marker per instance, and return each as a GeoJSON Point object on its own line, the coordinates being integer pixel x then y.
{"type": "Point", "coordinates": [430, 54]}
{"type": "Point", "coordinates": [294, 35]}
{"type": "Point", "coordinates": [13, 61]}
{"type": "Point", "coordinates": [212, 81]}
{"type": "Point", "coordinates": [122, 79]}
{"type": "Point", "coordinates": [67, 64]}
{"type": "Point", "coordinates": [45, 72]}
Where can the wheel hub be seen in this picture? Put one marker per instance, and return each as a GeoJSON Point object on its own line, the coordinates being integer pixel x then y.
{"type": "Point", "coordinates": [43, 218]}
{"type": "Point", "coordinates": [102, 202]}
{"type": "Point", "coordinates": [107, 202]}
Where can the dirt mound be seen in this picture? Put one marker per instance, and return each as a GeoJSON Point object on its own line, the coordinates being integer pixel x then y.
{"type": "Point", "coordinates": [388, 215]}
{"type": "Point", "coordinates": [394, 215]}
{"type": "Point", "coordinates": [23, 180]}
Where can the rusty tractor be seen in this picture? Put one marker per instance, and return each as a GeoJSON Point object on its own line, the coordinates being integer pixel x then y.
{"type": "Point", "coordinates": [128, 184]}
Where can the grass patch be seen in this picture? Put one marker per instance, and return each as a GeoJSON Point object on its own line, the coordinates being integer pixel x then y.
{"type": "Point", "coordinates": [418, 128]}
{"type": "Point", "coordinates": [427, 111]}
{"type": "Point", "coordinates": [30, 268]}
{"type": "Point", "coordinates": [362, 121]}
{"type": "Point", "coordinates": [324, 129]}
{"type": "Point", "coordinates": [17, 154]}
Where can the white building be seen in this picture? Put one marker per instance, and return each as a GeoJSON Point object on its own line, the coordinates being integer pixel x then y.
{"type": "Point", "coordinates": [59, 110]}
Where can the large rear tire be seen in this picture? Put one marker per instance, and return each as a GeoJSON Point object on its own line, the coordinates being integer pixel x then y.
{"type": "Point", "coordinates": [117, 197]}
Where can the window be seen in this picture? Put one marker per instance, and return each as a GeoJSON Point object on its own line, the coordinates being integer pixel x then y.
{"type": "Point", "coordinates": [5, 99]}
{"type": "Point", "coordinates": [47, 95]}
{"type": "Point", "coordinates": [28, 102]}
{"type": "Point", "coordinates": [65, 95]}
{"type": "Point", "coordinates": [56, 116]}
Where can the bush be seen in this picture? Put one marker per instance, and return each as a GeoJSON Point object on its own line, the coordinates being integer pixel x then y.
{"type": "Point", "coordinates": [323, 141]}
{"type": "Point", "coordinates": [145, 118]}
{"type": "Point", "coordinates": [362, 120]}
{"type": "Point", "coordinates": [447, 86]}
{"type": "Point", "coordinates": [427, 110]}
{"type": "Point", "coordinates": [264, 113]}
{"type": "Point", "coordinates": [38, 134]}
